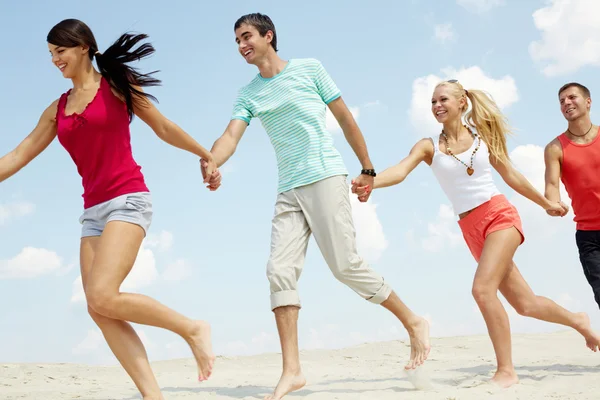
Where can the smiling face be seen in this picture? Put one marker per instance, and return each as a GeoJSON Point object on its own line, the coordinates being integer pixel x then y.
{"type": "Point", "coordinates": [251, 45]}
{"type": "Point", "coordinates": [446, 104]}
{"type": "Point", "coordinates": [69, 60]}
{"type": "Point", "coordinates": [574, 104]}
{"type": "Point", "coordinates": [72, 45]}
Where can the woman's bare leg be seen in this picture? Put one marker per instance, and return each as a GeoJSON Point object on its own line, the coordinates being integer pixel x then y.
{"type": "Point", "coordinates": [116, 252]}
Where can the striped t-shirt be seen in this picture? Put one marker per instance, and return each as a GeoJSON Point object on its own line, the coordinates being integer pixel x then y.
{"type": "Point", "coordinates": [292, 108]}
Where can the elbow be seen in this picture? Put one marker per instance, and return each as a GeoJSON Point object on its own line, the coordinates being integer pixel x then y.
{"type": "Point", "coordinates": [515, 182]}
{"type": "Point", "coordinates": [163, 130]}
{"type": "Point", "coordinates": [162, 133]}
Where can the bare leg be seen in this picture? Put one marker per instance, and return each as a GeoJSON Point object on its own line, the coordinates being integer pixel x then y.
{"type": "Point", "coordinates": [292, 378]}
{"type": "Point", "coordinates": [494, 265]}
{"type": "Point", "coordinates": [115, 254]}
{"type": "Point", "coordinates": [518, 293]}
{"type": "Point", "coordinates": [120, 336]}
{"type": "Point", "coordinates": [417, 327]}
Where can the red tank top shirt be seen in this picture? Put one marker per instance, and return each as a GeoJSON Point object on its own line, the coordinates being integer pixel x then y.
{"type": "Point", "coordinates": [99, 142]}
{"type": "Point", "coordinates": [580, 166]}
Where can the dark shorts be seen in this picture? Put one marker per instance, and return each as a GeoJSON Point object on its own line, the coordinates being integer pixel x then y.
{"type": "Point", "coordinates": [588, 243]}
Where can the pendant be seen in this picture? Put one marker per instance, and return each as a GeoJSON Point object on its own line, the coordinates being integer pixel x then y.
{"type": "Point", "coordinates": [470, 171]}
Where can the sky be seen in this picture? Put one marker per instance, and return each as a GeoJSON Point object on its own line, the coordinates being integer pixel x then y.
{"type": "Point", "coordinates": [206, 253]}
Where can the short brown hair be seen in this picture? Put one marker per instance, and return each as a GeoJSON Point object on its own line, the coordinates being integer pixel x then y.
{"type": "Point", "coordinates": [584, 90]}
{"type": "Point", "coordinates": [261, 22]}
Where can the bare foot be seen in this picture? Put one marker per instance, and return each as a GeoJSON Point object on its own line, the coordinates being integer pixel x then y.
{"type": "Point", "coordinates": [200, 342]}
{"type": "Point", "coordinates": [287, 384]}
{"type": "Point", "coordinates": [505, 379]}
{"type": "Point", "coordinates": [419, 344]}
{"type": "Point", "coordinates": [592, 339]}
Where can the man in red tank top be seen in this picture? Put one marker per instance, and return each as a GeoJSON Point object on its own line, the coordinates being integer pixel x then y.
{"type": "Point", "coordinates": [574, 158]}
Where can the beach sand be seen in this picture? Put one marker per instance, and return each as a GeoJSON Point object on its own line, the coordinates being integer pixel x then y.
{"type": "Point", "coordinates": [551, 366]}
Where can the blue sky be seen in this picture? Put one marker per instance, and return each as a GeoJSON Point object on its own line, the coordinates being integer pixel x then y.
{"type": "Point", "coordinates": [207, 252]}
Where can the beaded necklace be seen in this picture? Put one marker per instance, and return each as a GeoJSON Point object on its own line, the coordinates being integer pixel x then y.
{"type": "Point", "coordinates": [470, 169]}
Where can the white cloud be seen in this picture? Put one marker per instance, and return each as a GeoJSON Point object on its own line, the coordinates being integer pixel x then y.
{"type": "Point", "coordinates": [503, 91]}
{"type": "Point", "coordinates": [332, 124]}
{"type": "Point", "coordinates": [370, 239]}
{"type": "Point", "coordinates": [177, 271]}
{"type": "Point", "coordinates": [143, 274]}
{"type": "Point", "coordinates": [9, 211]}
{"type": "Point", "coordinates": [30, 263]}
{"type": "Point", "coordinates": [480, 6]}
{"type": "Point", "coordinates": [444, 33]}
{"type": "Point", "coordinates": [163, 241]}
{"type": "Point", "coordinates": [570, 30]}
{"type": "Point", "coordinates": [443, 232]}
{"type": "Point", "coordinates": [78, 294]}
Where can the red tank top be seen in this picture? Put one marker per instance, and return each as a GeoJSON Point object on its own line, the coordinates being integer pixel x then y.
{"type": "Point", "coordinates": [98, 141]}
{"type": "Point", "coordinates": [580, 166]}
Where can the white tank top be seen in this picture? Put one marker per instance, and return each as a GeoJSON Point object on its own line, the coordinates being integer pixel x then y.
{"type": "Point", "coordinates": [464, 192]}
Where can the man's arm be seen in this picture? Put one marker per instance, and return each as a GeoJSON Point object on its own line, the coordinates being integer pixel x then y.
{"type": "Point", "coordinates": [552, 159]}
{"type": "Point", "coordinates": [225, 146]}
{"type": "Point", "coordinates": [351, 131]}
{"type": "Point", "coordinates": [223, 149]}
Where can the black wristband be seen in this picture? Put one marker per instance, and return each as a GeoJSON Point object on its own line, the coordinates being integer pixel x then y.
{"type": "Point", "coordinates": [370, 172]}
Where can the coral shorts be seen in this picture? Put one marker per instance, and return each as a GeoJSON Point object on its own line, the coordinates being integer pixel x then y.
{"type": "Point", "coordinates": [494, 215]}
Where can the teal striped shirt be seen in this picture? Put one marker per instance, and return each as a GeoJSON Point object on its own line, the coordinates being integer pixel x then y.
{"type": "Point", "coordinates": [292, 107]}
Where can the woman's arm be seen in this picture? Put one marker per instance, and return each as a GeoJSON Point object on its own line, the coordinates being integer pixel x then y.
{"type": "Point", "coordinates": [36, 142]}
{"type": "Point", "coordinates": [421, 151]}
{"type": "Point", "coordinates": [521, 185]}
{"type": "Point", "coordinates": [170, 132]}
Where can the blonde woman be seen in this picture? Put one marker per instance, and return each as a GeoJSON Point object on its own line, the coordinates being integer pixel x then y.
{"type": "Point", "coordinates": [462, 158]}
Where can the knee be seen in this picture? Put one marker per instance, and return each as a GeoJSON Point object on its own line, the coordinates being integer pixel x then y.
{"type": "Point", "coordinates": [525, 308]}
{"type": "Point", "coordinates": [482, 293]}
{"type": "Point", "coordinates": [93, 314]}
{"type": "Point", "coordinates": [99, 301]}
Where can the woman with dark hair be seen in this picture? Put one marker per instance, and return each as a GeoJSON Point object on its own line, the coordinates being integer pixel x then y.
{"type": "Point", "coordinates": [92, 121]}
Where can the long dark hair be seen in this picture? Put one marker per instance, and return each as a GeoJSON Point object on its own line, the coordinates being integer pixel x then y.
{"type": "Point", "coordinates": [112, 63]}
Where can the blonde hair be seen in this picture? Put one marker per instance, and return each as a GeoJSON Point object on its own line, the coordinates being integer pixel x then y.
{"type": "Point", "coordinates": [485, 116]}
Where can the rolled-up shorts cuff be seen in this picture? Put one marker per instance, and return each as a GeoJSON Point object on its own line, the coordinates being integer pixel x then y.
{"type": "Point", "coordinates": [285, 298]}
{"type": "Point", "coordinates": [382, 294]}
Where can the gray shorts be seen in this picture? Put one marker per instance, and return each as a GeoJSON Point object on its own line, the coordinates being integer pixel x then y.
{"type": "Point", "coordinates": [135, 208]}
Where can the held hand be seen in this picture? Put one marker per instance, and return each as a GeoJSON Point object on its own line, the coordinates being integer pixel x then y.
{"type": "Point", "coordinates": [557, 209]}
{"type": "Point", "coordinates": [210, 174]}
{"type": "Point", "coordinates": [362, 186]}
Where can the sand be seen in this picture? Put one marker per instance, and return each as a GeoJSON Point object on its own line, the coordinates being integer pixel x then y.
{"type": "Point", "coordinates": [551, 366]}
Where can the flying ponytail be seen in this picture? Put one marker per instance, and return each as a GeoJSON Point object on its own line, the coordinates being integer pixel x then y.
{"type": "Point", "coordinates": [113, 65]}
